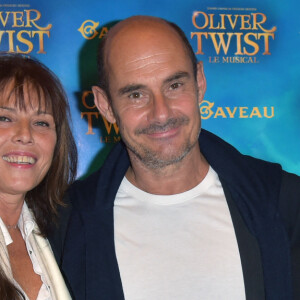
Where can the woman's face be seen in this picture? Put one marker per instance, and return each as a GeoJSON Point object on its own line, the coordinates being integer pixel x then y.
{"type": "Point", "coordinates": [27, 142]}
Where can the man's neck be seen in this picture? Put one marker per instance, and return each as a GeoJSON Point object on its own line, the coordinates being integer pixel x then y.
{"type": "Point", "coordinates": [172, 179]}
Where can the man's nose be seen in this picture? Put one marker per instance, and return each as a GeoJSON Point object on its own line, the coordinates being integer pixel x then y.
{"type": "Point", "coordinates": [161, 110]}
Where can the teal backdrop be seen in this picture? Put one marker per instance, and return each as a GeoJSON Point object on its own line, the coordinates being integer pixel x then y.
{"type": "Point", "coordinates": [250, 52]}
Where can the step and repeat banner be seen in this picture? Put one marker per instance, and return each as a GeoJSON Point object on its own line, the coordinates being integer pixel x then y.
{"type": "Point", "coordinates": [250, 51]}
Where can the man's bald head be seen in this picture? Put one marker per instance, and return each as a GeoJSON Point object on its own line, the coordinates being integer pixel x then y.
{"type": "Point", "coordinates": [135, 24]}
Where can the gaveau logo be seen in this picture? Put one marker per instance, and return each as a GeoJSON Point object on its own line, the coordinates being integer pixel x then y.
{"type": "Point", "coordinates": [88, 30]}
{"type": "Point", "coordinates": [208, 111]}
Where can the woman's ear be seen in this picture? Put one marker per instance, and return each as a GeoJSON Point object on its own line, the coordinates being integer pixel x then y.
{"type": "Point", "coordinates": [103, 104]}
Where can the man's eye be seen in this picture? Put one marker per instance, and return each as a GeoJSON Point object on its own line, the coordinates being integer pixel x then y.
{"type": "Point", "coordinates": [175, 85]}
{"type": "Point", "coordinates": [135, 95]}
{"type": "Point", "coordinates": [42, 123]}
{"type": "Point", "coordinates": [4, 119]}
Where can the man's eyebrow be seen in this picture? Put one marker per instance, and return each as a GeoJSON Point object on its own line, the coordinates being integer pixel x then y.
{"type": "Point", "coordinates": [130, 88]}
{"type": "Point", "coordinates": [176, 76]}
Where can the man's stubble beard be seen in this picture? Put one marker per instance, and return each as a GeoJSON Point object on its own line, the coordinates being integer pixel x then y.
{"type": "Point", "coordinates": [152, 159]}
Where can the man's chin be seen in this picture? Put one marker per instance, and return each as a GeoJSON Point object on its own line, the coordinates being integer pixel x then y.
{"type": "Point", "coordinates": [162, 160]}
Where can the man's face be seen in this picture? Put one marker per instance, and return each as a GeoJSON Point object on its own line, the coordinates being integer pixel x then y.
{"type": "Point", "coordinates": [154, 95]}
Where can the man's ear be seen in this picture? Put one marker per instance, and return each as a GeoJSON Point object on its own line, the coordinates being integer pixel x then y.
{"type": "Point", "coordinates": [201, 81]}
{"type": "Point", "coordinates": [103, 105]}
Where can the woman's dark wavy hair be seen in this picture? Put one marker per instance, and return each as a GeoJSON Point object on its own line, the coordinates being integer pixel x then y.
{"type": "Point", "coordinates": [7, 289]}
{"type": "Point", "coordinates": [45, 198]}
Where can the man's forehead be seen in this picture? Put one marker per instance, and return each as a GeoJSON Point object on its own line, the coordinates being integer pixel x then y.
{"type": "Point", "coordinates": [136, 30]}
{"type": "Point", "coordinates": [135, 22]}
{"type": "Point", "coordinates": [139, 37]}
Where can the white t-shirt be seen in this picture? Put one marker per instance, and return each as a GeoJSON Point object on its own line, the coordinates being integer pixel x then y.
{"type": "Point", "coordinates": [179, 246]}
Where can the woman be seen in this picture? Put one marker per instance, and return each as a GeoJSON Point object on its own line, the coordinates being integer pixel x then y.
{"type": "Point", "coordinates": [38, 160]}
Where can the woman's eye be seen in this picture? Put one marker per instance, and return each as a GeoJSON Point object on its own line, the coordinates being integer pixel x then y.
{"type": "Point", "coordinates": [4, 119]}
{"type": "Point", "coordinates": [42, 123]}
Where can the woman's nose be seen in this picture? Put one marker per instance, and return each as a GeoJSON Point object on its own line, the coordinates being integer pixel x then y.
{"type": "Point", "coordinates": [23, 133]}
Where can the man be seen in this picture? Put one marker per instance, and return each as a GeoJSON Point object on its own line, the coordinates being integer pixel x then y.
{"type": "Point", "coordinates": [169, 216]}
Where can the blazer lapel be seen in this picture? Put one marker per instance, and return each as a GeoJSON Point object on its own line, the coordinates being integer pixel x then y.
{"type": "Point", "coordinates": [49, 266]}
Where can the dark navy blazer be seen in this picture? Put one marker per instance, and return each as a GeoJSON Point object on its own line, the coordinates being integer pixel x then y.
{"type": "Point", "coordinates": [264, 203]}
